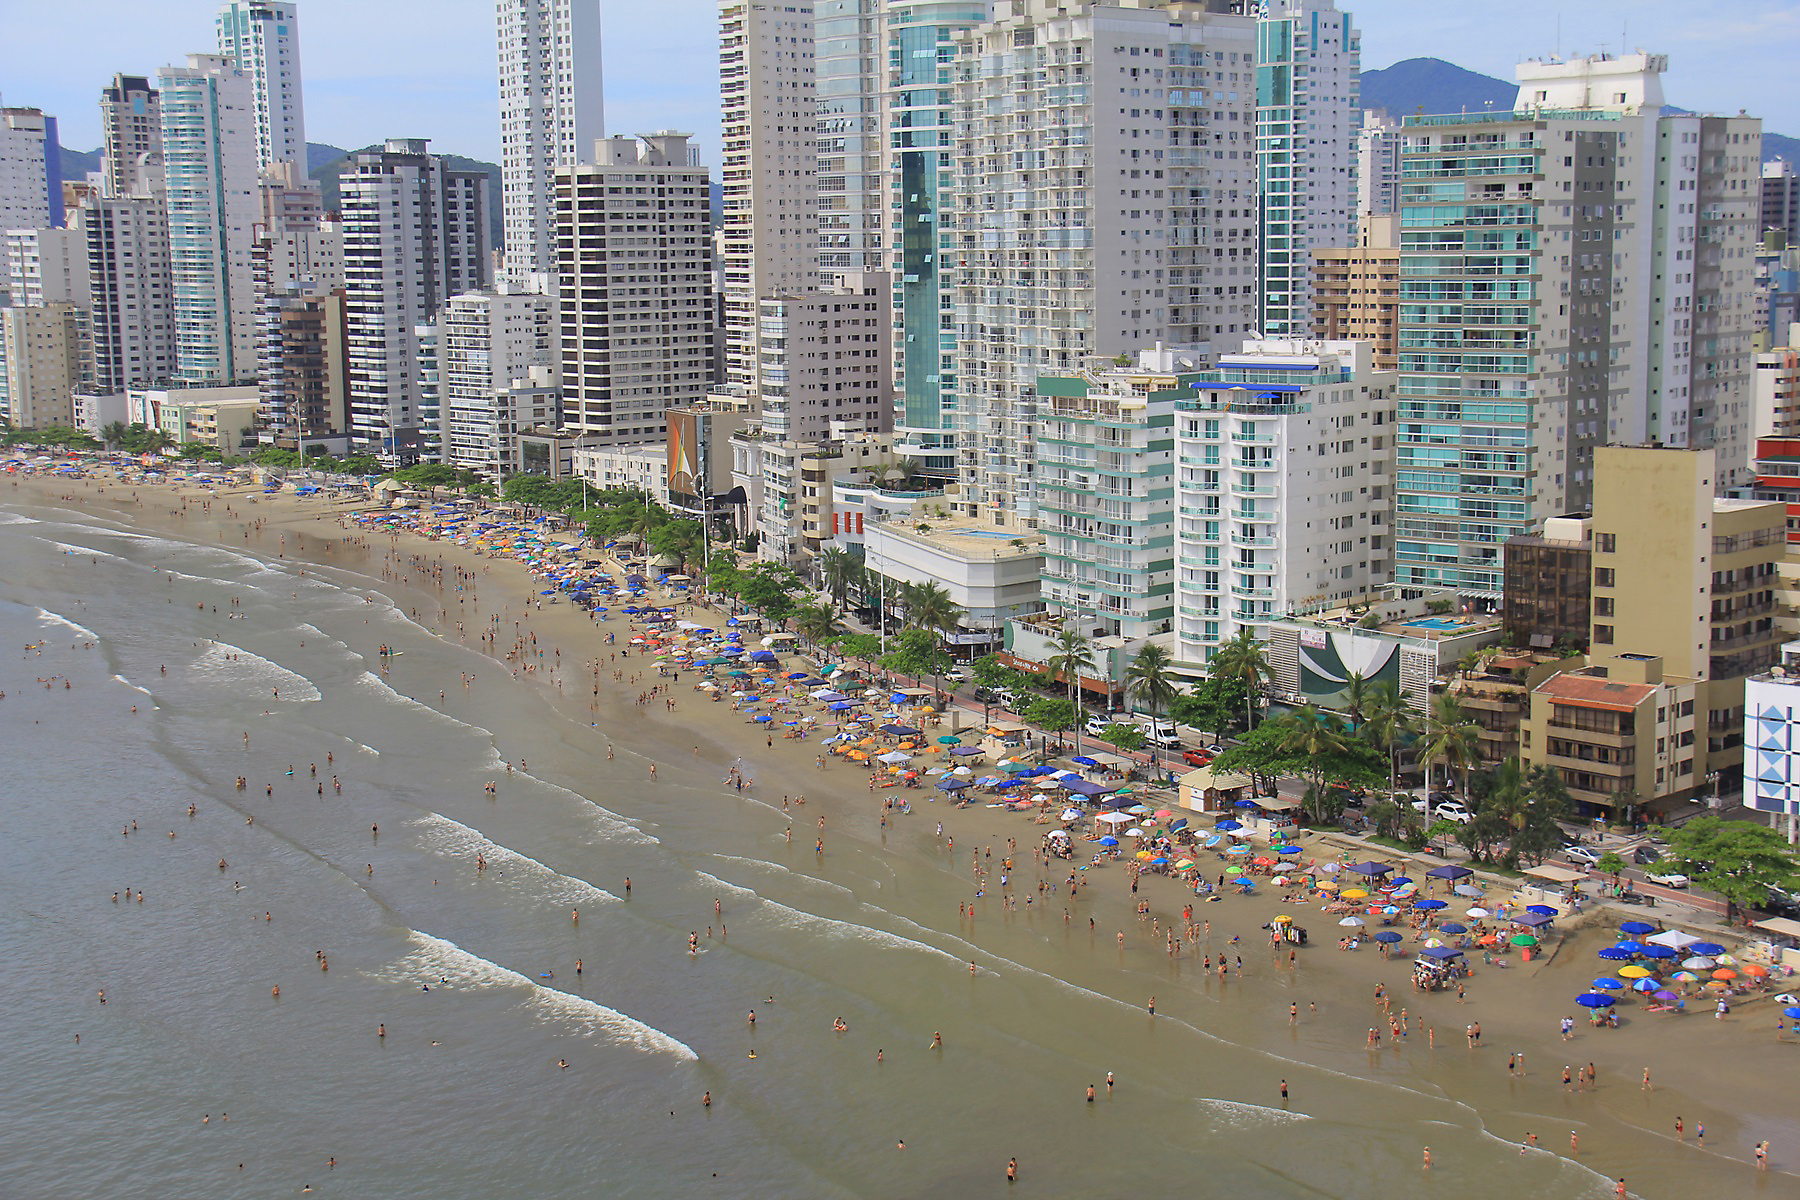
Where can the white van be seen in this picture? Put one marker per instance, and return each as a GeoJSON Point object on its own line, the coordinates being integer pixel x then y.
{"type": "Point", "coordinates": [1159, 733]}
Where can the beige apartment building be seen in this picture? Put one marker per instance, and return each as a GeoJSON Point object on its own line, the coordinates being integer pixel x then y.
{"type": "Point", "coordinates": [1356, 290]}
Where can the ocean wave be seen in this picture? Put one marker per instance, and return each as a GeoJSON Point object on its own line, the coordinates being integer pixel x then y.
{"type": "Point", "coordinates": [435, 959]}
{"type": "Point", "coordinates": [134, 687]}
{"type": "Point", "coordinates": [256, 565]}
{"type": "Point", "coordinates": [766, 865]}
{"type": "Point", "coordinates": [69, 548]}
{"type": "Point", "coordinates": [219, 663]}
{"type": "Point", "coordinates": [1232, 1115]}
{"type": "Point", "coordinates": [453, 837]}
{"type": "Point", "coordinates": [13, 518]}
{"type": "Point", "coordinates": [370, 680]}
{"type": "Point", "coordinates": [611, 826]}
{"type": "Point", "coordinates": [795, 918]}
{"type": "Point", "coordinates": [46, 617]}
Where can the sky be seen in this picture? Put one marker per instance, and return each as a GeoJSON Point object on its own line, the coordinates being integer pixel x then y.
{"type": "Point", "coordinates": [375, 69]}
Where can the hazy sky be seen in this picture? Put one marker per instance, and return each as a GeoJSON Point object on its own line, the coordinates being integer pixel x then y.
{"type": "Point", "coordinates": [425, 68]}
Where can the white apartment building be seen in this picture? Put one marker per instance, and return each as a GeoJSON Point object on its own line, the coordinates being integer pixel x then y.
{"type": "Point", "coordinates": [210, 172]}
{"type": "Point", "coordinates": [129, 291]}
{"type": "Point", "coordinates": [1308, 72]}
{"type": "Point", "coordinates": [550, 113]}
{"type": "Point", "coordinates": [415, 234]}
{"type": "Point", "coordinates": [131, 123]}
{"type": "Point", "coordinates": [634, 273]}
{"type": "Point", "coordinates": [1105, 200]}
{"type": "Point", "coordinates": [43, 363]}
{"type": "Point", "coordinates": [1574, 273]}
{"type": "Point", "coordinates": [1284, 474]}
{"type": "Point", "coordinates": [45, 266]}
{"type": "Point", "coordinates": [1377, 164]}
{"type": "Point", "coordinates": [1106, 465]}
{"type": "Point", "coordinates": [1775, 390]}
{"type": "Point", "coordinates": [263, 38]}
{"type": "Point", "coordinates": [851, 69]}
{"type": "Point", "coordinates": [768, 167]}
{"type": "Point", "coordinates": [496, 375]}
{"type": "Point", "coordinates": [30, 177]}
{"type": "Point", "coordinates": [626, 468]}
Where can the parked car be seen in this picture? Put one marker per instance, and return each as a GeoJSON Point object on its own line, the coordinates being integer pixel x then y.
{"type": "Point", "coordinates": [1587, 856]}
{"type": "Point", "coordinates": [1422, 806]}
{"type": "Point", "coordinates": [1672, 879]}
{"type": "Point", "coordinates": [1097, 725]}
{"type": "Point", "coordinates": [1453, 810]}
{"type": "Point", "coordinates": [1215, 749]}
{"type": "Point", "coordinates": [1196, 758]}
{"type": "Point", "coordinates": [1782, 903]}
{"type": "Point", "coordinates": [1645, 856]}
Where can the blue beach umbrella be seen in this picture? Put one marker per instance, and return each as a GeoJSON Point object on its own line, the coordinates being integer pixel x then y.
{"type": "Point", "coordinates": [1705, 948]}
{"type": "Point", "coordinates": [1452, 927]}
{"type": "Point", "coordinates": [1429, 905]}
{"type": "Point", "coordinates": [1228, 826]}
{"type": "Point", "coordinates": [762, 717]}
{"type": "Point", "coordinates": [1449, 872]}
{"type": "Point", "coordinates": [1606, 983]}
{"type": "Point", "coordinates": [1594, 1000]}
{"type": "Point", "coordinates": [1085, 761]}
{"type": "Point", "coordinates": [1645, 985]}
{"type": "Point", "coordinates": [1792, 1010]}
{"type": "Point", "coordinates": [1634, 928]}
{"type": "Point", "coordinates": [1634, 947]}
{"type": "Point", "coordinates": [1287, 849]}
{"type": "Point", "coordinates": [1540, 910]}
{"type": "Point", "coordinates": [1109, 840]}
{"type": "Point", "coordinates": [1616, 953]}
{"type": "Point", "coordinates": [1388, 936]}
{"type": "Point", "coordinates": [1655, 951]}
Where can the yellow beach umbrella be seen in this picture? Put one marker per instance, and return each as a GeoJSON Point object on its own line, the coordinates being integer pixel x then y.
{"type": "Point", "coordinates": [1354, 894]}
{"type": "Point", "coordinates": [1633, 972]}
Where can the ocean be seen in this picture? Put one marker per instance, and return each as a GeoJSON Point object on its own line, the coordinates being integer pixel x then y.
{"type": "Point", "coordinates": [193, 1080]}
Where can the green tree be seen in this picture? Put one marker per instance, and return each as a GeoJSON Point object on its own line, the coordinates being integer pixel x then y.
{"type": "Point", "coordinates": [1125, 737]}
{"type": "Point", "coordinates": [816, 622]}
{"type": "Point", "coordinates": [1052, 713]}
{"type": "Point", "coordinates": [1150, 679]}
{"type": "Point", "coordinates": [838, 572]}
{"type": "Point", "coordinates": [1388, 725]}
{"type": "Point", "coordinates": [1358, 692]}
{"type": "Point", "coordinates": [1318, 737]}
{"type": "Point", "coordinates": [1396, 818]}
{"type": "Point", "coordinates": [1074, 654]}
{"type": "Point", "coordinates": [915, 652]}
{"type": "Point", "coordinates": [1213, 703]}
{"type": "Point", "coordinates": [1242, 658]}
{"type": "Point", "coordinates": [934, 610]}
{"type": "Point", "coordinates": [864, 646]}
{"type": "Point", "coordinates": [1451, 738]}
{"type": "Point", "coordinates": [1739, 860]}
{"type": "Point", "coordinates": [1610, 864]}
{"type": "Point", "coordinates": [113, 434]}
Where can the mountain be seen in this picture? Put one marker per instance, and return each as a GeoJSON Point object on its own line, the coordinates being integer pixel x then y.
{"type": "Point", "coordinates": [328, 170]}
{"type": "Point", "coordinates": [1431, 85]}
{"type": "Point", "coordinates": [77, 163]}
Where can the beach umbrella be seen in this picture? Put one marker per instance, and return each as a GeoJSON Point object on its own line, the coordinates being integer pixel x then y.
{"type": "Point", "coordinates": [1234, 869]}
{"type": "Point", "coordinates": [1109, 840]}
{"type": "Point", "coordinates": [1326, 885]}
{"type": "Point", "coordinates": [1477, 912]}
{"type": "Point", "coordinates": [1085, 761]}
{"type": "Point", "coordinates": [1684, 977]}
{"type": "Point", "coordinates": [1183, 864]}
{"type": "Point", "coordinates": [1387, 910]}
{"type": "Point", "coordinates": [1540, 910]}
{"type": "Point", "coordinates": [1387, 936]}
{"type": "Point", "coordinates": [949, 740]}
{"type": "Point", "coordinates": [762, 717]}
{"type": "Point", "coordinates": [1594, 1000]}
{"type": "Point", "coordinates": [1665, 996]}
{"type": "Point", "coordinates": [1287, 849]}
{"type": "Point", "coordinates": [1635, 928]}
{"type": "Point", "coordinates": [1754, 970]}
{"type": "Point", "coordinates": [1449, 873]}
{"type": "Point", "coordinates": [1469, 890]}
{"type": "Point", "coordinates": [1523, 939]}
{"type": "Point", "coordinates": [1661, 952]}
{"type": "Point", "coordinates": [1791, 1011]}
{"type": "Point", "coordinates": [1453, 927]}
{"type": "Point", "coordinates": [1787, 998]}
{"type": "Point", "coordinates": [1228, 826]}
{"type": "Point", "coordinates": [1238, 850]}
{"type": "Point", "coordinates": [1261, 861]}
{"type": "Point", "coordinates": [1719, 985]}
{"type": "Point", "coordinates": [1712, 948]}
{"type": "Point", "coordinates": [1429, 905]}
{"type": "Point", "coordinates": [1634, 947]}
{"type": "Point", "coordinates": [1645, 986]}
{"type": "Point", "coordinates": [1331, 868]}
{"type": "Point", "coordinates": [1616, 953]}
{"type": "Point", "coordinates": [1724, 973]}
{"type": "Point", "coordinates": [1351, 922]}
{"type": "Point", "coordinates": [1634, 973]}
{"type": "Point", "coordinates": [1354, 894]}
{"type": "Point", "coordinates": [1606, 983]}
{"type": "Point", "coordinates": [1400, 881]}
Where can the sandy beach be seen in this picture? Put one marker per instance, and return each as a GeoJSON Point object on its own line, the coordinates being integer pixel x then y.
{"type": "Point", "coordinates": [1731, 1074]}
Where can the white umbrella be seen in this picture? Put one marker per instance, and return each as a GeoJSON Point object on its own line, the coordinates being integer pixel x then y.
{"type": "Point", "coordinates": [896, 756]}
{"type": "Point", "coordinates": [1071, 814]}
{"type": "Point", "coordinates": [1347, 921]}
{"type": "Point", "coordinates": [1047, 783]}
{"type": "Point", "coordinates": [962, 771]}
{"type": "Point", "coordinates": [1134, 831]}
{"type": "Point", "coordinates": [1700, 963]}
{"type": "Point", "coordinates": [1331, 868]}
{"type": "Point", "coordinates": [1477, 912]}
{"type": "Point", "coordinates": [1059, 834]}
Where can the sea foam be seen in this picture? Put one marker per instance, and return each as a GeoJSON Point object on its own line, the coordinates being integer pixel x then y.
{"type": "Point", "coordinates": [218, 663]}
{"type": "Point", "coordinates": [46, 617]}
{"type": "Point", "coordinates": [446, 836]}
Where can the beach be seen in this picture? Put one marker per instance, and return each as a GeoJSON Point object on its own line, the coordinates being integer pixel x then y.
{"type": "Point", "coordinates": [381, 876]}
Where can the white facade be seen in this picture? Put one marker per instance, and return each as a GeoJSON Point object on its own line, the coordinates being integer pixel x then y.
{"type": "Point", "coordinates": [1283, 487]}
{"type": "Point", "coordinates": [1772, 741]}
{"type": "Point", "coordinates": [210, 177]}
{"type": "Point", "coordinates": [496, 375]}
{"type": "Point", "coordinates": [637, 468]}
{"type": "Point", "coordinates": [30, 190]}
{"type": "Point", "coordinates": [769, 166]}
{"type": "Point", "coordinates": [415, 234]}
{"type": "Point", "coordinates": [263, 38]}
{"type": "Point", "coordinates": [1105, 200]}
{"type": "Point", "coordinates": [1308, 68]}
{"type": "Point", "coordinates": [131, 122]}
{"type": "Point", "coordinates": [634, 273]}
{"type": "Point", "coordinates": [44, 266]}
{"type": "Point", "coordinates": [1377, 165]}
{"type": "Point", "coordinates": [550, 113]}
{"type": "Point", "coordinates": [991, 580]}
{"type": "Point", "coordinates": [1775, 392]}
{"type": "Point", "coordinates": [851, 70]}
{"type": "Point", "coordinates": [129, 291]}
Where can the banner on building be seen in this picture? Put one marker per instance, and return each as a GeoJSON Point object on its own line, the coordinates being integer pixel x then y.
{"type": "Point", "coordinates": [1329, 658]}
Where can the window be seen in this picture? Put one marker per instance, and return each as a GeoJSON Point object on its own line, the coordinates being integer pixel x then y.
{"type": "Point", "coordinates": [1604, 576]}
{"type": "Point", "coordinates": [1603, 606]}
{"type": "Point", "coordinates": [1603, 634]}
{"type": "Point", "coordinates": [1606, 543]}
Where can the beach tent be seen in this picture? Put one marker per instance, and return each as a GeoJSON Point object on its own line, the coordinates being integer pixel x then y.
{"type": "Point", "coordinates": [1674, 939]}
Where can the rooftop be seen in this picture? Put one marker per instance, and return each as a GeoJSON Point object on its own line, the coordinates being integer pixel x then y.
{"type": "Point", "coordinates": [1593, 691]}
{"type": "Point", "coordinates": [965, 540]}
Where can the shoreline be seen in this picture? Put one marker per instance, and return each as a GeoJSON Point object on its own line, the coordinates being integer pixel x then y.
{"type": "Point", "coordinates": [1515, 1005]}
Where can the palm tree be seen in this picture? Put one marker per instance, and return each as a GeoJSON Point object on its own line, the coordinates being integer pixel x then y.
{"type": "Point", "coordinates": [931, 608]}
{"type": "Point", "coordinates": [1389, 724]}
{"type": "Point", "coordinates": [1074, 654]}
{"type": "Point", "coordinates": [1356, 696]}
{"type": "Point", "coordinates": [1148, 679]}
{"type": "Point", "coordinates": [1317, 735]}
{"type": "Point", "coordinates": [1242, 658]}
{"type": "Point", "coordinates": [112, 433]}
{"type": "Point", "coordinates": [836, 569]}
{"type": "Point", "coordinates": [815, 622]}
{"type": "Point", "coordinates": [1451, 738]}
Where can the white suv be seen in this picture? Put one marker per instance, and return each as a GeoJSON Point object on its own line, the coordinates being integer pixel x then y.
{"type": "Point", "coordinates": [1097, 725]}
{"type": "Point", "coordinates": [1453, 810]}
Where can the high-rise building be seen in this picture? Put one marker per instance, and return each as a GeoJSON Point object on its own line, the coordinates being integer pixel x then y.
{"type": "Point", "coordinates": [1088, 219]}
{"type": "Point", "coordinates": [131, 122]}
{"type": "Point", "coordinates": [1283, 485]}
{"type": "Point", "coordinates": [920, 171]}
{"type": "Point", "coordinates": [30, 170]}
{"type": "Point", "coordinates": [768, 170]}
{"type": "Point", "coordinates": [1377, 164]}
{"type": "Point", "coordinates": [1356, 291]}
{"type": "Point", "coordinates": [824, 365]}
{"type": "Point", "coordinates": [1570, 277]}
{"type": "Point", "coordinates": [210, 181]}
{"type": "Point", "coordinates": [44, 266]}
{"type": "Point", "coordinates": [130, 292]}
{"type": "Point", "coordinates": [850, 71]}
{"type": "Point", "coordinates": [304, 365]}
{"type": "Point", "coordinates": [550, 114]}
{"type": "Point", "coordinates": [634, 267]}
{"type": "Point", "coordinates": [263, 38]}
{"type": "Point", "coordinates": [415, 234]}
{"type": "Point", "coordinates": [44, 361]}
{"type": "Point", "coordinates": [1308, 66]}
{"type": "Point", "coordinates": [496, 376]}
{"type": "Point", "coordinates": [1779, 207]}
